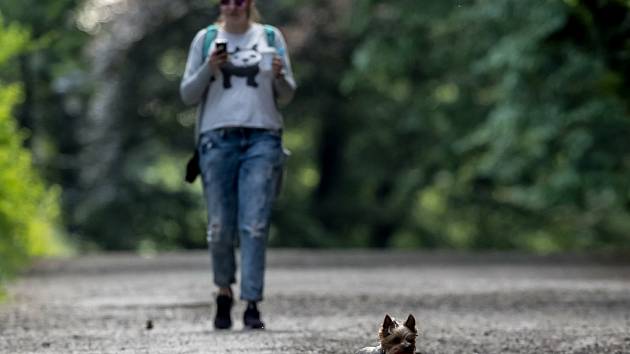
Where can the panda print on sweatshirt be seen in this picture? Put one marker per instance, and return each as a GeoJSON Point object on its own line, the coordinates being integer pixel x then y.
{"type": "Point", "coordinates": [242, 63]}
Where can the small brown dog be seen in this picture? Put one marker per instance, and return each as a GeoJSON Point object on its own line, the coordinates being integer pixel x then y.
{"type": "Point", "coordinates": [395, 338]}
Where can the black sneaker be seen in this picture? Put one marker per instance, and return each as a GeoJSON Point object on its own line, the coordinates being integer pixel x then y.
{"type": "Point", "coordinates": [251, 317]}
{"type": "Point", "coordinates": [223, 318]}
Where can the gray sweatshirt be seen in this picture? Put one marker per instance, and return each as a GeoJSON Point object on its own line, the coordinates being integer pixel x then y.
{"type": "Point", "coordinates": [245, 92]}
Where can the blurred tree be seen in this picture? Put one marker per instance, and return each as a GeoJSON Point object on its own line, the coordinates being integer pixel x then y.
{"type": "Point", "coordinates": [505, 131]}
{"type": "Point", "coordinates": [28, 210]}
{"type": "Point", "coordinates": [137, 135]}
{"type": "Point", "coordinates": [467, 124]}
{"type": "Point", "coordinates": [55, 89]}
{"type": "Point", "coordinates": [319, 122]}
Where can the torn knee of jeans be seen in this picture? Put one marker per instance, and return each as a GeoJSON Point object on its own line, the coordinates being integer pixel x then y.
{"type": "Point", "coordinates": [214, 230]}
{"type": "Point", "coordinates": [255, 230]}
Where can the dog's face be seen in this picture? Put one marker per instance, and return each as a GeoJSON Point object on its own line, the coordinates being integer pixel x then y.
{"type": "Point", "coordinates": [398, 338]}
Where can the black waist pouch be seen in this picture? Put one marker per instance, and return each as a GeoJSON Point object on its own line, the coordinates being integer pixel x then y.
{"type": "Point", "coordinates": [192, 168]}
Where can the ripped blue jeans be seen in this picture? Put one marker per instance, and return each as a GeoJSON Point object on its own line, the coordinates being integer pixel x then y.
{"type": "Point", "coordinates": [241, 168]}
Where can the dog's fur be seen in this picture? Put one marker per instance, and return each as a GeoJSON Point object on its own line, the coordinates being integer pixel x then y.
{"type": "Point", "coordinates": [395, 338]}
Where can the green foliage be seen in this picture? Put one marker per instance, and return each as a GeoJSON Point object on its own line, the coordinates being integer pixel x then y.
{"type": "Point", "coordinates": [28, 210]}
{"type": "Point", "coordinates": [468, 124]}
{"type": "Point", "coordinates": [54, 92]}
{"type": "Point", "coordinates": [512, 127]}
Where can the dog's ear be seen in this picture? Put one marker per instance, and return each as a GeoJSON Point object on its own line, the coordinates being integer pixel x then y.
{"type": "Point", "coordinates": [411, 323]}
{"type": "Point", "coordinates": [388, 324]}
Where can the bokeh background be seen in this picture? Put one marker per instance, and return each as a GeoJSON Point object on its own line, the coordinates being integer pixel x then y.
{"type": "Point", "coordinates": [458, 124]}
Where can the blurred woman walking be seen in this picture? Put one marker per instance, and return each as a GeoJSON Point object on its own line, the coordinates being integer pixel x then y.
{"type": "Point", "coordinates": [238, 72]}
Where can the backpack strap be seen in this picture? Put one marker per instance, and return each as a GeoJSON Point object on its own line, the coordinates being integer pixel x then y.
{"type": "Point", "coordinates": [211, 34]}
{"type": "Point", "coordinates": [271, 36]}
{"type": "Point", "coordinates": [270, 31]}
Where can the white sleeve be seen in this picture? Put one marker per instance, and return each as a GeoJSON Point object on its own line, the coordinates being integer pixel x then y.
{"type": "Point", "coordinates": [197, 73]}
{"type": "Point", "coordinates": [284, 87]}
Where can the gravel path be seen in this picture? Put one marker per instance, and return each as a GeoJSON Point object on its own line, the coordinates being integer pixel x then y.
{"type": "Point", "coordinates": [323, 302]}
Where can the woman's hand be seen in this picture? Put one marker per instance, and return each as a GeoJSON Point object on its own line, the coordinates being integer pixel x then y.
{"type": "Point", "coordinates": [217, 60]}
{"type": "Point", "coordinates": [277, 67]}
